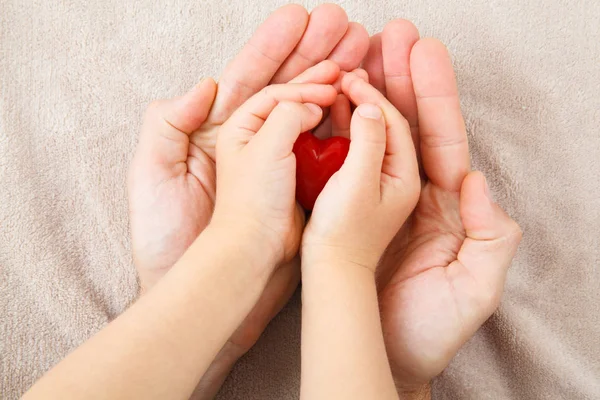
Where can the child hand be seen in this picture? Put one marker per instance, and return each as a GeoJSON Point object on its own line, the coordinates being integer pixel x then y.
{"type": "Point", "coordinates": [364, 204]}
{"type": "Point", "coordinates": [256, 167]}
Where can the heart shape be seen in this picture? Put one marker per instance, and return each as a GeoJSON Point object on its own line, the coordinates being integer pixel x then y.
{"type": "Point", "coordinates": [316, 161]}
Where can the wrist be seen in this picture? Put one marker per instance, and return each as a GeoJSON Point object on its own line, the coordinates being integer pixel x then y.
{"type": "Point", "coordinates": [238, 247]}
{"type": "Point", "coordinates": [317, 256]}
{"type": "Point", "coordinates": [249, 236]}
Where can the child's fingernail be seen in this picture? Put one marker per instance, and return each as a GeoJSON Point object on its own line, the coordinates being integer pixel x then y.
{"type": "Point", "coordinates": [315, 109]}
{"type": "Point", "coordinates": [369, 111]}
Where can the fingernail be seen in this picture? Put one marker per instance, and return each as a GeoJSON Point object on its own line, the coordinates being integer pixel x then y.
{"type": "Point", "coordinates": [369, 111]}
{"type": "Point", "coordinates": [315, 109]}
{"type": "Point", "coordinates": [486, 189]}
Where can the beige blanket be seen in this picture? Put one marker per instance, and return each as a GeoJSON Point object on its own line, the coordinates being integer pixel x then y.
{"type": "Point", "coordinates": [75, 77]}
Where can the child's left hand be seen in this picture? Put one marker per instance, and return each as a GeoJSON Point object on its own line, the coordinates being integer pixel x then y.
{"type": "Point", "coordinates": [256, 166]}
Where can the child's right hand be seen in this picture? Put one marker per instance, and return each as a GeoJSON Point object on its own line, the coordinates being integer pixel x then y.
{"type": "Point", "coordinates": [256, 171]}
{"type": "Point", "coordinates": [366, 202]}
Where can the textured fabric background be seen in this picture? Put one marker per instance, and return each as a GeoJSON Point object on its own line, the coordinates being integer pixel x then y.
{"type": "Point", "coordinates": [75, 77]}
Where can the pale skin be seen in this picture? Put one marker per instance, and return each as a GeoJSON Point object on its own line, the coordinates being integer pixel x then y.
{"type": "Point", "coordinates": [355, 217]}
{"type": "Point", "coordinates": [417, 78]}
{"type": "Point", "coordinates": [465, 260]}
{"type": "Point", "coordinates": [172, 177]}
{"type": "Point", "coordinates": [152, 350]}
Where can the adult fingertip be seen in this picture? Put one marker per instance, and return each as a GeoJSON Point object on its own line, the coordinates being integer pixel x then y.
{"type": "Point", "coordinates": [400, 28]}
{"type": "Point", "coordinates": [205, 84]}
{"type": "Point", "coordinates": [296, 12]}
{"type": "Point", "coordinates": [352, 48]}
{"type": "Point", "coordinates": [428, 49]}
{"type": "Point", "coordinates": [333, 12]}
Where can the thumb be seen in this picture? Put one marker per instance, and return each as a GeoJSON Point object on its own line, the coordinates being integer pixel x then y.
{"type": "Point", "coordinates": [168, 123]}
{"type": "Point", "coordinates": [492, 236]}
{"type": "Point", "coordinates": [367, 146]}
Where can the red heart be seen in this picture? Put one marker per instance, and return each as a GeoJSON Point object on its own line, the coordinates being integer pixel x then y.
{"type": "Point", "coordinates": [316, 161]}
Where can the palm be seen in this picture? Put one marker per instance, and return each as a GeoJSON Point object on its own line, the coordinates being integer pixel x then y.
{"type": "Point", "coordinates": [168, 212]}
{"type": "Point", "coordinates": [421, 310]}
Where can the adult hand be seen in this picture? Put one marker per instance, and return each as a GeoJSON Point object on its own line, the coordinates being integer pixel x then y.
{"type": "Point", "coordinates": [172, 176]}
{"type": "Point", "coordinates": [443, 274]}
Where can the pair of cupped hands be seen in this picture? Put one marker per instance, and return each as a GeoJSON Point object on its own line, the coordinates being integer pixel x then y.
{"type": "Point", "coordinates": [405, 204]}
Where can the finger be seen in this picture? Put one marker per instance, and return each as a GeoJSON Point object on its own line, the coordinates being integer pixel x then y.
{"type": "Point", "coordinates": [361, 73]}
{"type": "Point", "coordinates": [326, 26]}
{"type": "Point", "coordinates": [340, 117]}
{"type": "Point", "coordinates": [442, 133]}
{"type": "Point", "coordinates": [400, 161]}
{"type": "Point", "coordinates": [281, 129]}
{"type": "Point", "coordinates": [353, 47]}
{"type": "Point", "coordinates": [492, 237]}
{"type": "Point", "coordinates": [323, 131]}
{"type": "Point", "coordinates": [250, 117]}
{"type": "Point", "coordinates": [373, 63]}
{"type": "Point", "coordinates": [168, 123]}
{"type": "Point", "coordinates": [259, 60]}
{"type": "Point", "coordinates": [397, 41]}
{"type": "Point", "coordinates": [367, 146]}
{"type": "Point", "coordinates": [324, 72]}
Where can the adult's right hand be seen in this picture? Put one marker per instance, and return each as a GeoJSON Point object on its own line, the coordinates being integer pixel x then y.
{"type": "Point", "coordinates": [443, 274]}
{"type": "Point", "coordinates": [172, 176]}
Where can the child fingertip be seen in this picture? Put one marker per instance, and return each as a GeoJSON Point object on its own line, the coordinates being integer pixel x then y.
{"type": "Point", "coordinates": [315, 109]}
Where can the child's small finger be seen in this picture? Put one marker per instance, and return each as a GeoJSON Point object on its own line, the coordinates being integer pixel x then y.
{"type": "Point", "coordinates": [281, 129]}
{"type": "Point", "coordinates": [340, 117]}
{"type": "Point", "coordinates": [367, 147]}
{"type": "Point", "coordinates": [359, 72]}
{"type": "Point", "coordinates": [362, 74]}
{"type": "Point", "coordinates": [324, 72]}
